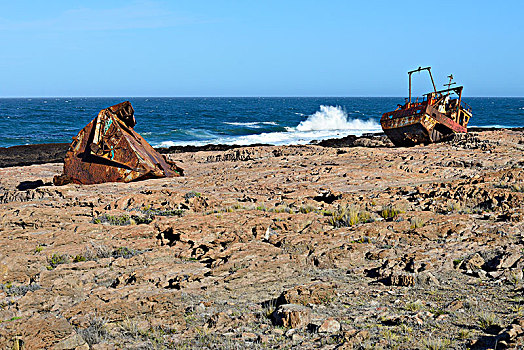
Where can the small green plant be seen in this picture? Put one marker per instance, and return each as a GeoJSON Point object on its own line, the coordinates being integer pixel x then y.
{"type": "Point", "coordinates": [192, 194]}
{"type": "Point", "coordinates": [487, 320]}
{"type": "Point", "coordinates": [261, 207]}
{"type": "Point", "coordinates": [414, 306]}
{"type": "Point", "coordinates": [96, 251]}
{"type": "Point", "coordinates": [124, 252]}
{"type": "Point", "coordinates": [12, 319]}
{"type": "Point", "coordinates": [95, 332]}
{"type": "Point", "coordinates": [464, 334]}
{"type": "Point", "coordinates": [457, 262]}
{"type": "Point", "coordinates": [283, 209]}
{"type": "Point", "coordinates": [436, 344]}
{"type": "Point", "coordinates": [79, 258]}
{"type": "Point", "coordinates": [517, 309]}
{"type": "Point", "coordinates": [361, 240]}
{"type": "Point", "coordinates": [38, 249]}
{"type": "Point", "coordinates": [514, 279]}
{"type": "Point", "coordinates": [306, 209]}
{"type": "Point", "coordinates": [453, 207]}
{"type": "Point", "coordinates": [129, 327]}
{"type": "Point", "coordinates": [22, 289]}
{"type": "Point", "coordinates": [326, 299]}
{"type": "Point", "coordinates": [517, 299]}
{"type": "Point", "coordinates": [390, 336]}
{"type": "Point", "coordinates": [150, 214]}
{"type": "Point", "coordinates": [416, 222]}
{"type": "Point", "coordinates": [349, 216]}
{"type": "Point", "coordinates": [270, 307]}
{"type": "Point", "coordinates": [390, 212]}
{"type": "Point", "coordinates": [58, 259]}
{"type": "Point", "coordinates": [518, 187]}
{"type": "Point", "coordinates": [437, 312]}
{"type": "Point", "coordinates": [405, 329]}
{"type": "Point", "coordinates": [115, 220]}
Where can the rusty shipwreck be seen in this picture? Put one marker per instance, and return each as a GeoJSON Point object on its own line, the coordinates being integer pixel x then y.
{"type": "Point", "coordinates": [438, 115]}
{"type": "Point", "coordinates": [108, 149]}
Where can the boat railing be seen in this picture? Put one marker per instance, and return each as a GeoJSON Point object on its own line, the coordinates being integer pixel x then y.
{"type": "Point", "coordinates": [465, 106]}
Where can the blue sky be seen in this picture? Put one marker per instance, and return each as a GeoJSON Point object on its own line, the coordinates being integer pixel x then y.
{"type": "Point", "coordinates": [257, 48]}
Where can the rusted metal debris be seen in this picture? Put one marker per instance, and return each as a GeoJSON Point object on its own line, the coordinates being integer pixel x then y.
{"type": "Point", "coordinates": [109, 150]}
{"type": "Point", "coordinates": [434, 118]}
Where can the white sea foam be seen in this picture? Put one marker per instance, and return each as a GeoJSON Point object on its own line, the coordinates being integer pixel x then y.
{"type": "Point", "coordinates": [168, 144]}
{"type": "Point", "coordinates": [328, 122]}
{"type": "Point", "coordinates": [254, 125]}
{"type": "Point", "coordinates": [334, 118]}
{"type": "Point", "coordinates": [500, 126]}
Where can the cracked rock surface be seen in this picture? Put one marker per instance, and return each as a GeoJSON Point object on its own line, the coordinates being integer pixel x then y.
{"type": "Point", "coordinates": [270, 247]}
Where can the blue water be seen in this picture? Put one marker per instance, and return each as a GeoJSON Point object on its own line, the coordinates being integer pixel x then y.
{"type": "Point", "coordinates": [198, 121]}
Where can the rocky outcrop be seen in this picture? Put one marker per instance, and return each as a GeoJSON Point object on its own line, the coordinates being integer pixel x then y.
{"type": "Point", "coordinates": [298, 246]}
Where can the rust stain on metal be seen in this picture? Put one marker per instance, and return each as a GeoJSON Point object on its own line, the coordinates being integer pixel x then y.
{"type": "Point", "coordinates": [437, 116]}
{"type": "Point", "coordinates": [108, 149]}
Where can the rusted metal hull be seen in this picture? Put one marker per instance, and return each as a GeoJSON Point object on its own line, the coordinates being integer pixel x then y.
{"type": "Point", "coordinates": [109, 150]}
{"type": "Point", "coordinates": [436, 117]}
{"type": "Point", "coordinates": [418, 125]}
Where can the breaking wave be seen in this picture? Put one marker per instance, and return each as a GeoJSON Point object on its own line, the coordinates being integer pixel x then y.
{"type": "Point", "coordinates": [335, 118]}
{"type": "Point", "coordinates": [328, 122]}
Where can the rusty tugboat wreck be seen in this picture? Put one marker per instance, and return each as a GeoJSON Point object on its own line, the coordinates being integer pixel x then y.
{"type": "Point", "coordinates": [438, 116]}
{"type": "Point", "coordinates": [109, 150]}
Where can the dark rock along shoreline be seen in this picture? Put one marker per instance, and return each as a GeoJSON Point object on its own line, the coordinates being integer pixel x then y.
{"type": "Point", "coordinates": [55, 152]}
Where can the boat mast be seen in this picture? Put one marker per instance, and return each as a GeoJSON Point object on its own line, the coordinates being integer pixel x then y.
{"type": "Point", "coordinates": [418, 70]}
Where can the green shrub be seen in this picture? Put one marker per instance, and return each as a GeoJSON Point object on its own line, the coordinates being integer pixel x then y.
{"type": "Point", "coordinates": [390, 212]}
{"type": "Point", "coordinates": [261, 207]}
{"type": "Point", "coordinates": [453, 207]}
{"type": "Point", "coordinates": [95, 332]}
{"type": "Point", "coordinates": [282, 209]}
{"type": "Point", "coordinates": [306, 209]}
{"type": "Point", "coordinates": [96, 251]}
{"type": "Point", "coordinates": [414, 306]}
{"type": "Point", "coordinates": [349, 216]}
{"type": "Point", "coordinates": [79, 258]}
{"type": "Point", "coordinates": [486, 320]}
{"type": "Point", "coordinates": [436, 344]}
{"type": "Point", "coordinates": [518, 187]}
{"type": "Point", "coordinates": [151, 213]}
{"type": "Point", "coordinates": [58, 259]}
{"type": "Point", "coordinates": [124, 252]}
{"type": "Point", "coordinates": [22, 290]}
{"type": "Point", "coordinates": [121, 220]}
{"type": "Point", "coordinates": [416, 222]}
{"type": "Point", "coordinates": [147, 218]}
{"type": "Point", "coordinates": [191, 194]}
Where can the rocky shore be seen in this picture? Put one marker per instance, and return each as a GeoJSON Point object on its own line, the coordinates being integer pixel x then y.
{"type": "Point", "coordinates": [355, 245]}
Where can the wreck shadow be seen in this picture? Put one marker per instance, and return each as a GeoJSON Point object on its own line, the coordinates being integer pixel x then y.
{"type": "Point", "coordinates": [31, 185]}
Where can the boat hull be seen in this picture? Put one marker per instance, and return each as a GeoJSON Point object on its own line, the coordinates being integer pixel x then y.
{"type": "Point", "coordinates": [418, 125]}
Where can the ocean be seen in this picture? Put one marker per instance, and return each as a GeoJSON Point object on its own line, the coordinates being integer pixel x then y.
{"type": "Point", "coordinates": [173, 121]}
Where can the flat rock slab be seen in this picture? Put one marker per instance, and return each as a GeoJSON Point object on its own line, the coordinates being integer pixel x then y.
{"type": "Point", "coordinates": [205, 260]}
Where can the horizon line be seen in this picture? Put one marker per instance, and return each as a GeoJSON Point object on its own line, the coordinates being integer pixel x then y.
{"type": "Point", "coordinates": [244, 96]}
